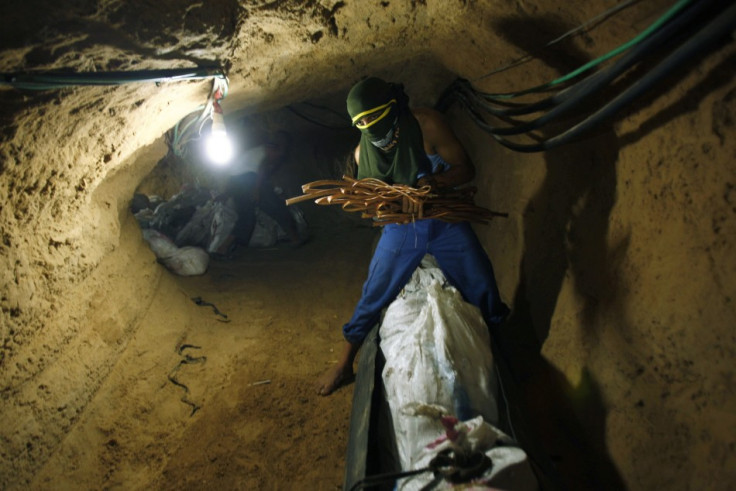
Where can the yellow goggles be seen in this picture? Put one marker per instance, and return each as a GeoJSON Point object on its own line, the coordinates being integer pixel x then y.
{"type": "Point", "coordinates": [386, 109]}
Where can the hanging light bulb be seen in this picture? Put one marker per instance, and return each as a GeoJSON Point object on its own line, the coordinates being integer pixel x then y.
{"type": "Point", "coordinates": [217, 144]}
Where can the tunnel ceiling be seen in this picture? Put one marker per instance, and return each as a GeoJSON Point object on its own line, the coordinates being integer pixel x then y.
{"type": "Point", "coordinates": [274, 53]}
{"type": "Point", "coordinates": [277, 52]}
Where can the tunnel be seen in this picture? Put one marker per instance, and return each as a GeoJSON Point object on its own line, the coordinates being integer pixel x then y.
{"type": "Point", "coordinates": [615, 249]}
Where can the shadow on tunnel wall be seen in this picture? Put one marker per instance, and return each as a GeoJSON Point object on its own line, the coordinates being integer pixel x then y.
{"type": "Point", "coordinates": [565, 229]}
{"type": "Point", "coordinates": [719, 76]}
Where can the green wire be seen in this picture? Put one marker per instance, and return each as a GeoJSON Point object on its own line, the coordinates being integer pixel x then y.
{"type": "Point", "coordinates": [564, 36]}
{"type": "Point", "coordinates": [681, 4]}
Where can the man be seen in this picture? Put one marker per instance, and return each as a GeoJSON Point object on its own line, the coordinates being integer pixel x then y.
{"type": "Point", "coordinates": [414, 147]}
{"type": "Point", "coordinates": [250, 185]}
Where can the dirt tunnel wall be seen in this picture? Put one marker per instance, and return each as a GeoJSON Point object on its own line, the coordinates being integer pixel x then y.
{"type": "Point", "coordinates": [617, 256]}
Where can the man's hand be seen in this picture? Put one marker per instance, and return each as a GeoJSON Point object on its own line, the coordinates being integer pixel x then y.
{"type": "Point", "coordinates": [428, 181]}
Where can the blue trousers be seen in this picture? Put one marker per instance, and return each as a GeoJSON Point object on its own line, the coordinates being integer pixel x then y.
{"type": "Point", "coordinates": [400, 250]}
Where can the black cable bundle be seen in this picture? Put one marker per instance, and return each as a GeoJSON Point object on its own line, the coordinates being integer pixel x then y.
{"type": "Point", "coordinates": [712, 22]}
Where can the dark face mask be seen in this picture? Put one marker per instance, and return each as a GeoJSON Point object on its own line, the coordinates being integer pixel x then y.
{"type": "Point", "coordinates": [387, 138]}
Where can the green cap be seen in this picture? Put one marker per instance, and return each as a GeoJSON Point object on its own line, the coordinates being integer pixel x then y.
{"type": "Point", "coordinates": [368, 93]}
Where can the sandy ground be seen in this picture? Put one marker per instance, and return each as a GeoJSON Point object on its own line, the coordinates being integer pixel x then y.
{"type": "Point", "coordinates": [202, 399]}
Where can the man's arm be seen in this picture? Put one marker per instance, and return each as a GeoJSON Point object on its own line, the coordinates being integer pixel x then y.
{"type": "Point", "coordinates": [440, 139]}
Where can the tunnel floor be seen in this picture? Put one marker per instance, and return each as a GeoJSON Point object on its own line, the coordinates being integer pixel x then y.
{"type": "Point", "coordinates": [221, 392]}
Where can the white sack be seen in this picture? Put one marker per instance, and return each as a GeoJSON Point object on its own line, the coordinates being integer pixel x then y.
{"type": "Point", "coordinates": [438, 354]}
{"type": "Point", "coordinates": [437, 351]}
{"type": "Point", "coordinates": [187, 261]}
{"type": "Point", "coordinates": [184, 261]}
{"type": "Point", "coordinates": [160, 244]}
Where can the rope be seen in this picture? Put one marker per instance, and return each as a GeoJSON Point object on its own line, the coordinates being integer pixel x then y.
{"type": "Point", "coordinates": [397, 203]}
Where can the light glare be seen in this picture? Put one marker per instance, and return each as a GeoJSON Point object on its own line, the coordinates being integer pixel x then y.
{"type": "Point", "coordinates": [218, 147]}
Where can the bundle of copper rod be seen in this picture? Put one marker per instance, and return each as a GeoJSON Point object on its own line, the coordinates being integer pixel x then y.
{"type": "Point", "coordinates": [396, 203]}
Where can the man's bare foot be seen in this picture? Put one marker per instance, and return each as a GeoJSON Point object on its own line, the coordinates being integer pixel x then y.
{"type": "Point", "coordinates": [334, 379]}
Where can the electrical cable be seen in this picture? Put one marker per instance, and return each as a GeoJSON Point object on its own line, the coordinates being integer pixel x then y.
{"type": "Point", "coordinates": [56, 79]}
{"type": "Point", "coordinates": [182, 132]}
{"type": "Point", "coordinates": [314, 121]}
{"type": "Point", "coordinates": [180, 135]}
{"type": "Point", "coordinates": [178, 139]}
{"type": "Point", "coordinates": [483, 98]}
{"type": "Point", "coordinates": [339, 115]}
{"type": "Point", "coordinates": [516, 110]}
{"type": "Point", "coordinates": [656, 37]}
{"type": "Point", "coordinates": [567, 34]}
{"type": "Point", "coordinates": [681, 4]}
{"type": "Point", "coordinates": [593, 82]}
{"type": "Point", "coordinates": [386, 478]}
{"type": "Point", "coordinates": [720, 26]}
{"type": "Point", "coordinates": [569, 98]}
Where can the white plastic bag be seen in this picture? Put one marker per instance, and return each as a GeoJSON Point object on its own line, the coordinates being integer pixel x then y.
{"type": "Point", "coordinates": [509, 467]}
{"type": "Point", "coordinates": [187, 261]}
{"type": "Point", "coordinates": [439, 362]}
{"type": "Point", "coordinates": [437, 352]}
{"type": "Point", "coordinates": [160, 244]}
{"type": "Point", "coordinates": [184, 261]}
